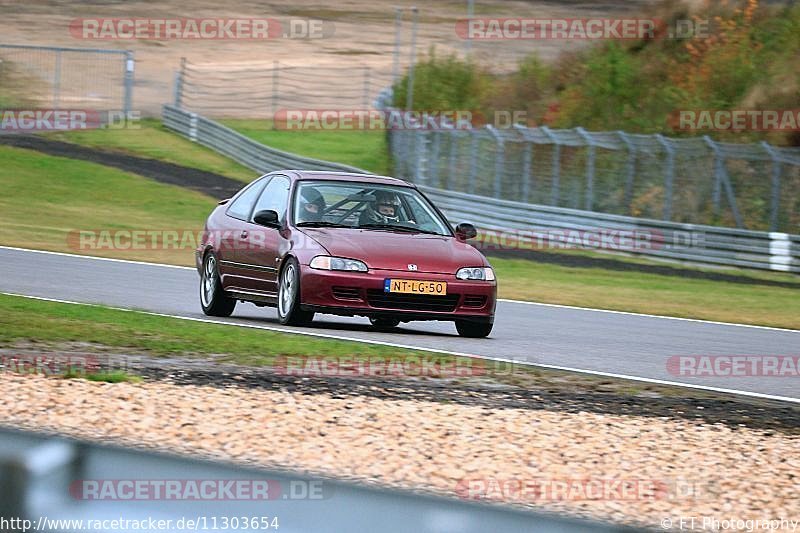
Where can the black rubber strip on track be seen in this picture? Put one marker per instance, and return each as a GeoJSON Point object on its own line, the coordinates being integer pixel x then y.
{"type": "Point", "coordinates": [214, 185]}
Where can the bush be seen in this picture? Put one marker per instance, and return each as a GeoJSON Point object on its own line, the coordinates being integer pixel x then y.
{"type": "Point", "coordinates": [444, 84]}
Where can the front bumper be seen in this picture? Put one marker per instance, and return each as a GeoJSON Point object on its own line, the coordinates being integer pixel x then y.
{"type": "Point", "coordinates": [348, 293]}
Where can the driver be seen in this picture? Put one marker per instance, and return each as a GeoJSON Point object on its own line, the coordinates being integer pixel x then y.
{"type": "Point", "coordinates": [384, 210]}
{"type": "Point", "coordinates": [312, 205]}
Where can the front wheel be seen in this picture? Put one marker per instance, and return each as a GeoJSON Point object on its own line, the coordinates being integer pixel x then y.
{"type": "Point", "coordinates": [475, 330]}
{"type": "Point", "coordinates": [212, 297]}
{"type": "Point", "coordinates": [289, 312]}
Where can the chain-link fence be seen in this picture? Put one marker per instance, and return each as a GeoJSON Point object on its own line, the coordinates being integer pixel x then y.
{"type": "Point", "coordinates": [693, 180]}
{"type": "Point", "coordinates": [57, 77]}
{"type": "Point", "coordinates": [260, 91]}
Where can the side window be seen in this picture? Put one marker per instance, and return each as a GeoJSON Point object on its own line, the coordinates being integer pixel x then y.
{"type": "Point", "coordinates": [275, 197]}
{"type": "Point", "coordinates": [242, 206]}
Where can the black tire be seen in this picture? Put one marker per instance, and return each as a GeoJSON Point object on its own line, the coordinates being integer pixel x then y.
{"type": "Point", "coordinates": [213, 299]}
{"type": "Point", "coordinates": [289, 312]}
{"type": "Point", "coordinates": [473, 330]}
{"type": "Point", "coordinates": [382, 323]}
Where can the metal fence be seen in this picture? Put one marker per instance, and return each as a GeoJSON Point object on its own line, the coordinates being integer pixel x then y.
{"type": "Point", "coordinates": [530, 225]}
{"type": "Point", "coordinates": [691, 180]}
{"type": "Point", "coordinates": [261, 90]}
{"type": "Point", "coordinates": [57, 77]}
{"type": "Point", "coordinates": [41, 479]}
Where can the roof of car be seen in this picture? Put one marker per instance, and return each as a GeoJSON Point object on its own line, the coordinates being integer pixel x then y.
{"type": "Point", "coordinates": [346, 176]}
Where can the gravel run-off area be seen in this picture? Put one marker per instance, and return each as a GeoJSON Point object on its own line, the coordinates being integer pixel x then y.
{"type": "Point", "coordinates": [680, 467]}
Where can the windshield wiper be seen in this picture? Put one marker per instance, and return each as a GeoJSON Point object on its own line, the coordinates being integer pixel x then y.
{"type": "Point", "coordinates": [321, 224]}
{"type": "Point", "coordinates": [392, 227]}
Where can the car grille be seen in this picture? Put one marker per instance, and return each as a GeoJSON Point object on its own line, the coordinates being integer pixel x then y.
{"type": "Point", "coordinates": [412, 302]}
{"type": "Point", "coordinates": [346, 293]}
{"type": "Point", "coordinates": [474, 301]}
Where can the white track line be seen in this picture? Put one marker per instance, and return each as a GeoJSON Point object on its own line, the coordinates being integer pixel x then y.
{"type": "Point", "coordinates": [645, 315]}
{"type": "Point", "coordinates": [79, 256]}
{"type": "Point", "coordinates": [505, 300]}
{"type": "Point", "coordinates": [433, 350]}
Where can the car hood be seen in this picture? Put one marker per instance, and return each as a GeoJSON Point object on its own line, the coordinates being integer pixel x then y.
{"type": "Point", "coordinates": [388, 250]}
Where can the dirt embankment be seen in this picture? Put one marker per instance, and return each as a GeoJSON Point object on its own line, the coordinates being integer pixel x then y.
{"type": "Point", "coordinates": [363, 35]}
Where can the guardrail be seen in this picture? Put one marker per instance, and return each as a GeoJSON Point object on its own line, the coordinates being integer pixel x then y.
{"type": "Point", "coordinates": [233, 144]}
{"type": "Point", "coordinates": [60, 485]}
{"type": "Point", "coordinates": [532, 225]}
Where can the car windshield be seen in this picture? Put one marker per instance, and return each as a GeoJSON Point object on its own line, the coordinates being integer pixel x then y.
{"type": "Point", "coordinates": [368, 206]}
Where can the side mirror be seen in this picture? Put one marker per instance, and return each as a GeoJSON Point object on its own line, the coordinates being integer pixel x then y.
{"type": "Point", "coordinates": [268, 218]}
{"type": "Point", "coordinates": [465, 231]}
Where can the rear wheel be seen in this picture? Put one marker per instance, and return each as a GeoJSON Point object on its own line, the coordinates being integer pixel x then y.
{"type": "Point", "coordinates": [212, 296]}
{"type": "Point", "coordinates": [467, 328]}
{"type": "Point", "coordinates": [384, 323]}
{"type": "Point", "coordinates": [289, 312]}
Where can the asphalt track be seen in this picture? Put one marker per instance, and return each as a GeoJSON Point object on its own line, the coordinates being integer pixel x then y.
{"type": "Point", "coordinates": [583, 339]}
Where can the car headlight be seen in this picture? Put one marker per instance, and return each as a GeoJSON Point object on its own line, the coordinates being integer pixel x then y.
{"type": "Point", "coordinates": [476, 273]}
{"type": "Point", "coordinates": [326, 262]}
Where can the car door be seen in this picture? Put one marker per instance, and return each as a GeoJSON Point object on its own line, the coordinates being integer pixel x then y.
{"type": "Point", "coordinates": [233, 237]}
{"type": "Point", "coordinates": [262, 251]}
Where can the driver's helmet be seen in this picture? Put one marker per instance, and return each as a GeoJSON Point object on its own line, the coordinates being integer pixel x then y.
{"type": "Point", "coordinates": [312, 205]}
{"type": "Point", "coordinates": [385, 209]}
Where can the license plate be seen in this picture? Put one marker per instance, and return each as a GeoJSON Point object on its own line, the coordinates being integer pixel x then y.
{"type": "Point", "coordinates": [415, 286]}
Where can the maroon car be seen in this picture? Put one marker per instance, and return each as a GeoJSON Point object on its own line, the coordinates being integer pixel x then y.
{"type": "Point", "coordinates": [344, 244]}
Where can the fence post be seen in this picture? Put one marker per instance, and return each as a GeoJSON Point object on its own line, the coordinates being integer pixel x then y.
{"type": "Point", "coordinates": [556, 163]}
{"type": "Point", "coordinates": [130, 66]}
{"type": "Point", "coordinates": [630, 169]}
{"type": "Point", "coordinates": [715, 191]}
{"type": "Point", "coordinates": [275, 79]}
{"type": "Point", "coordinates": [473, 161]}
{"type": "Point", "coordinates": [452, 155]}
{"type": "Point", "coordinates": [721, 178]}
{"type": "Point", "coordinates": [179, 77]}
{"type": "Point", "coordinates": [57, 80]}
{"type": "Point", "coordinates": [527, 162]}
{"type": "Point", "coordinates": [398, 23]}
{"type": "Point", "coordinates": [499, 161]}
{"type": "Point", "coordinates": [434, 159]}
{"type": "Point", "coordinates": [410, 88]}
{"type": "Point", "coordinates": [589, 201]}
{"type": "Point", "coordinates": [669, 176]}
{"type": "Point", "coordinates": [399, 154]}
{"type": "Point", "coordinates": [420, 150]}
{"type": "Point", "coordinates": [774, 203]}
